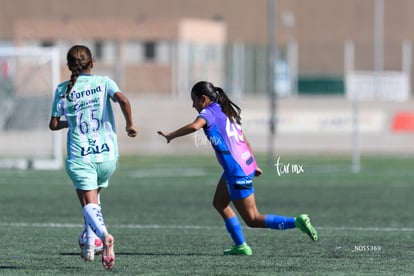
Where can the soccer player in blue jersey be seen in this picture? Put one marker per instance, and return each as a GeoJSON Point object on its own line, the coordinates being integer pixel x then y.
{"type": "Point", "coordinates": [221, 121]}
{"type": "Point", "coordinates": [92, 149]}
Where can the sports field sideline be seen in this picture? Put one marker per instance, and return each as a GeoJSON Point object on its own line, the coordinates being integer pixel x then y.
{"type": "Point", "coordinates": [159, 210]}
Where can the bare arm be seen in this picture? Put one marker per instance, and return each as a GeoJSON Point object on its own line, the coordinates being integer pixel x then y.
{"type": "Point", "coordinates": [56, 124]}
{"type": "Point", "coordinates": [187, 129]}
{"type": "Point", "coordinates": [127, 112]}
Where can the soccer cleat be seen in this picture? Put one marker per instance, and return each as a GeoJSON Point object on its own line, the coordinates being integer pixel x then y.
{"type": "Point", "coordinates": [98, 247]}
{"type": "Point", "coordinates": [83, 241]}
{"type": "Point", "coordinates": [303, 223]}
{"type": "Point", "coordinates": [108, 255]}
{"type": "Point", "coordinates": [88, 253]}
{"type": "Point", "coordinates": [242, 249]}
{"type": "Point", "coordinates": [85, 251]}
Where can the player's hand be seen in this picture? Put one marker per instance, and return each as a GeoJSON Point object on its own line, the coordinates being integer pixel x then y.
{"type": "Point", "coordinates": [258, 172]}
{"type": "Point", "coordinates": [164, 135]}
{"type": "Point", "coordinates": [131, 131]}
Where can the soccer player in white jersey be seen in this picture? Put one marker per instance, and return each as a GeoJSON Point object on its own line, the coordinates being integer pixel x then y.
{"type": "Point", "coordinates": [92, 149]}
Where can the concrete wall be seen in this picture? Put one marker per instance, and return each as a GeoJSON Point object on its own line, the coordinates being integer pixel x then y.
{"type": "Point", "coordinates": [314, 125]}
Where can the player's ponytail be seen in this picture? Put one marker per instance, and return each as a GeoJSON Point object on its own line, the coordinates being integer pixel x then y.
{"type": "Point", "coordinates": [79, 58]}
{"type": "Point", "coordinates": [217, 94]}
{"type": "Point", "coordinates": [231, 109]}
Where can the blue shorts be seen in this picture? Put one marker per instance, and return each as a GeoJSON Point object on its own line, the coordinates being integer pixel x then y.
{"type": "Point", "coordinates": [89, 176]}
{"type": "Point", "coordinates": [239, 187]}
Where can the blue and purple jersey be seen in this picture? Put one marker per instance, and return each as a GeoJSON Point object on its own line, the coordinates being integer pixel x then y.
{"type": "Point", "coordinates": [227, 139]}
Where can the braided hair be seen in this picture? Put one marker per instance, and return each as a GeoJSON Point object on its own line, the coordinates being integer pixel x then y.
{"type": "Point", "coordinates": [79, 58]}
{"type": "Point", "coordinates": [217, 94]}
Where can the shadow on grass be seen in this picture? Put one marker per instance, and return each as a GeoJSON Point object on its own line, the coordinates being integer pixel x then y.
{"type": "Point", "coordinates": [11, 267]}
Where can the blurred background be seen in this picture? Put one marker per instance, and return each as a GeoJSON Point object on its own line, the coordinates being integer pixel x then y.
{"type": "Point", "coordinates": [312, 77]}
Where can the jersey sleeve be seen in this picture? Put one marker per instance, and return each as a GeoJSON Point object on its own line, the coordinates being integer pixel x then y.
{"type": "Point", "coordinates": [57, 108]}
{"type": "Point", "coordinates": [111, 87]}
{"type": "Point", "coordinates": [208, 116]}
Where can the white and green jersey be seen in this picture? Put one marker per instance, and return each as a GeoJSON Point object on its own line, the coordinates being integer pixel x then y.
{"type": "Point", "coordinates": [88, 110]}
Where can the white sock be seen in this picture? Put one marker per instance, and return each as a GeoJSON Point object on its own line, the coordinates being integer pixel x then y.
{"type": "Point", "coordinates": [94, 218]}
{"type": "Point", "coordinates": [90, 235]}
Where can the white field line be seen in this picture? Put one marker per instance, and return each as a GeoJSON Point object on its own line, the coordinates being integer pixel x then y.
{"type": "Point", "coordinates": [168, 172]}
{"type": "Point", "coordinates": [367, 229]}
{"type": "Point", "coordinates": [196, 227]}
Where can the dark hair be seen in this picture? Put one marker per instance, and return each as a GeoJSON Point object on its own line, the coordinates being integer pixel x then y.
{"type": "Point", "coordinates": [217, 94]}
{"type": "Point", "coordinates": [79, 58]}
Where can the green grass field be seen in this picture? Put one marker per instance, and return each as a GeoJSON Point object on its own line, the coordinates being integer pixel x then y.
{"type": "Point", "coordinates": [159, 211]}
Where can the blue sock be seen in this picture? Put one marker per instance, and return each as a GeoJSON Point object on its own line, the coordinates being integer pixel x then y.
{"type": "Point", "coordinates": [235, 230]}
{"type": "Point", "coordinates": [279, 222]}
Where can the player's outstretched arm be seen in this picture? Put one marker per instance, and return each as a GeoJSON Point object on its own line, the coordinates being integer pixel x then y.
{"type": "Point", "coordinates": [185, 130]}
